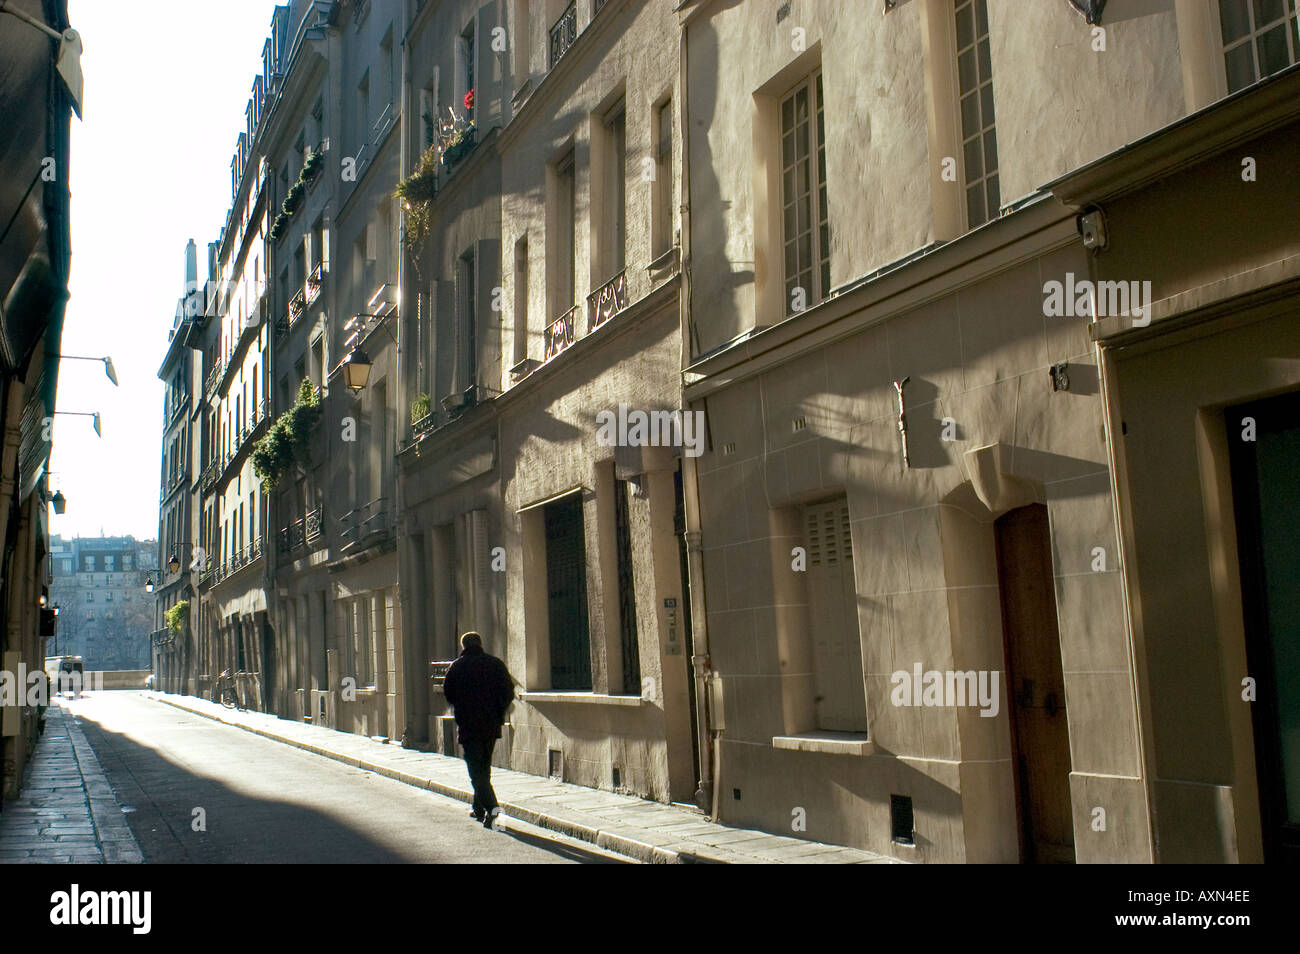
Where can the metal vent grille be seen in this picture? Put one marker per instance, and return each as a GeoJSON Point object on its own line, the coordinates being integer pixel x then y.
{"type": "Point", "coordinates": [829, 538]}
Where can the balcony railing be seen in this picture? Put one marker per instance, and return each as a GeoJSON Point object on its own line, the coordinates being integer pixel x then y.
{"type": "Point", "coordinates": [607, 301]}
{"type": "Point", "coordinates": [296, 304]}
{"type": "Point", "coordinates": [559, 333]}
{"type": "Point", "coordinates": [563, 33]}
{"type": "Point", "coordinates": [297, 534]}
{"type": "Point", "coordinates": [314, 282]}
{"type": "Point", "coordinates": [314, 519]}
{"type": "Point", "coordinates": [210, 474]}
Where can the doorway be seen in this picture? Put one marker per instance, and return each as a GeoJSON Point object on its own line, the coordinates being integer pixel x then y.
{"type": "Point", "coordinates": [1040, 739]}
{"type": "Point", "coordinates": [1267, 506]}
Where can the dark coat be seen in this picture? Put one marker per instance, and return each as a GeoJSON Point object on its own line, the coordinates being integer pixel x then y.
{"type": "Point", "coordinates": [480, 688]}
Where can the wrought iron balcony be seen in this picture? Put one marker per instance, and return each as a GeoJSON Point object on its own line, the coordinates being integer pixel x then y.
{"type": "Point", "coordinates": [607, 301]}
{"type": "Point", "coordinates": [559, 333]}
{"type": "Point", "coordinates": [314, 518]}
{"type": "Point", "coordinates": [563, 33]}
{"type": "Point", "coordinates": [314, 282]}
{"type": "Point", "coordinates": [282, 541]}
{"type": "Point", "coordinates": [296, 304]}
{"type": "Point", "coordinates": [297, 534]}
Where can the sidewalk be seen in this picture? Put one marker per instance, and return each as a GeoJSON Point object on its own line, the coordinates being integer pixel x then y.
{"type": "Point", "coordinates": [67, 812]}
{"type": "Point", "coordinates": [644, 830]}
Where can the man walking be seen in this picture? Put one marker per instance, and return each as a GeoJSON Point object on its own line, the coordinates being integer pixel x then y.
{"type": "Point", "coordinates": [480, 689]}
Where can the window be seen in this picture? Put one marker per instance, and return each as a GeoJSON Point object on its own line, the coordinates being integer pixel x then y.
{"type": "Point", "coordinates": [89, 564]}
{"type": "Point", "coordinates": [429, 110]}
{"type": "Point", "coordinates": [662, 224]}
{"type": "Point", "coordinates": [566, 238]}
{"type": "Point", "coordinates": [839, 690]}
{"type": "Point", "coordinates": [615, 224]}
{"type": "Point", "coordinates": [975, 89]}
{"type": "Point", "coordinates": [467, 336]}
{"type": "Point", "coordinates": [467, 60]}
{"type": "Point", "coordinates": [566, 592]}
{"type": "Point", "coordinates": [805, 225]}
{"type": "Point", "coordinates": [1260, 37]}
{"type": "Point", "coordinates": [626, 592]}
{"type": "Point", "coordinates": [521, 300]}
{"type": "Point", "coordinates": [363, 110]}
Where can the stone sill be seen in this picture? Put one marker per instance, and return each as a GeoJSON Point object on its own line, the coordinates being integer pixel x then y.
{"type": "Point", "coordinates": [831, 743]}
{"type": "Point", "coordinates": [591, 698]}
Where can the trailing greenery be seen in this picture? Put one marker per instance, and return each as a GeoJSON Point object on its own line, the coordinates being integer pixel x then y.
{"type": "Point", "coordinates": [416, 192]}
{"type": "Point", "coordinates": [177, 616]}
{"type": "Point", "coordinates": [288, 441]}
{"type": "Point", "coordinates": [311, 168]}
{"type": "Point", "coordinates": [419, 408]}
{"type": "Point", "coordinates": [455, 140]}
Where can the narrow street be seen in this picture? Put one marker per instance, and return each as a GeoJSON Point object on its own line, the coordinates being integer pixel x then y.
{"type": "Point", "coordinates": [264, 802]}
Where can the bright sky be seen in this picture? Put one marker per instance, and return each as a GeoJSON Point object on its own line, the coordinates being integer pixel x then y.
{"type": "Point", "coordinates": [166, 86]}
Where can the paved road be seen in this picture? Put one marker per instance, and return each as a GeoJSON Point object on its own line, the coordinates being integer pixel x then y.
{"type": "Point", "coordinates": [266, 802]}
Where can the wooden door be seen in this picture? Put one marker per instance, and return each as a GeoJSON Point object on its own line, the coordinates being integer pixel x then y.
{"type": "Point", "coordinates": [1040, 741]}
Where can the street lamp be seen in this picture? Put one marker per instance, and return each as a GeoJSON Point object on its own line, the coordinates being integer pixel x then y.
{"type": "Point", "coordinates": [108, 364]}
{"type": "Point", "coordinates": [148, 585]}
{"type": "Point", "coordinates": [60, 502]}
{"type": "Point", "coordinates": [93, 415]}
{"type": "Point", "coordinates": [174, 564]}
{"type": "Point", "coordinates": [356, 370]}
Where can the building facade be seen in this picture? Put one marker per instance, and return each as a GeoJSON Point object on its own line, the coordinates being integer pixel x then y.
{"type": "Point", "coordinates": [36, 105]}
{"type": "Point", "coordinates": [760, 379]}
{"type": "Point", "coordinates": [174, 648]}
{"type": "Point", "coordinates": [106, 613]}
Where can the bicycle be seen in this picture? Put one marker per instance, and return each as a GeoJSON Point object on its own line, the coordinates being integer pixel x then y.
{"type": "Point", "coordinates": [226, 691]}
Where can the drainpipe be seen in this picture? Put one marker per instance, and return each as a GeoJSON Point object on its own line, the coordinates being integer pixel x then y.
{"type": "Point", "coordinates": [700, 662]}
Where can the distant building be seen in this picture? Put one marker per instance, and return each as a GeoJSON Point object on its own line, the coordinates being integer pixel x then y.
{"type": "Point", "coordinates": [105, 613]}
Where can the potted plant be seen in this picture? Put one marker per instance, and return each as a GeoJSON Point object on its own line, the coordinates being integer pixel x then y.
{"type": "Point", "coordinates": [419, 408]}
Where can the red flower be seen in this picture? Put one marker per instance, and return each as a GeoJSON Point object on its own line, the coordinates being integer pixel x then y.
{"type": "Point", "coordinates": [469, 100]}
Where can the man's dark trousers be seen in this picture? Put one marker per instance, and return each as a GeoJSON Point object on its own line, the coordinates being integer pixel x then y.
{"type": "Point", "coordinates": [478, 757]}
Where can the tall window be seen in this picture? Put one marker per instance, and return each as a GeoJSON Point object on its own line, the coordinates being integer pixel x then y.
{"type": "Point", "coordinates": [566, 591]}
{"type": "Point", "coordinates": [1260, 37]}
{"type": "Point", "coordinates": [566, 211]}
{"type": "Point", "coordinates": [805, 223]}
{"type": "Point", "coordinates": [662, 226]}
{"type": "Point", "coordinates": [975, 87]}
{"type": "Point", "coordinates": [626, 592]}
{"type": "Point", "coordinates": [521, 300]}
{"type": "Point", "coordinates": [615, 225]}
{"type": "Point", "coordinates": [467, 47]}
{"type": "Point", "coordinates": [363, 110]}
{"type": "Point", "coordinates": [468, 337]}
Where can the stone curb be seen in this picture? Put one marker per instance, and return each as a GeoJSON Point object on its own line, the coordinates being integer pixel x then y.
{"type": "Point", "coordinates": [618, 842]}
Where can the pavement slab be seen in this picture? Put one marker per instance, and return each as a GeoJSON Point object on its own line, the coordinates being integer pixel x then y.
{"type": "Point", "coordinates": [67, 811]}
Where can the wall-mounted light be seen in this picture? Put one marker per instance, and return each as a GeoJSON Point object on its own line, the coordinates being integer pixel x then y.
{"type": "Point", "coordinates": [107, 362]}
{"type": "Point", "coordinates": [356, 370]}
{"type": "Point", "coordinates": [148, 585]}
{"type": "Point", "coordinates": [93, 415]}
{"type": "Point", "coordinates": [60, 502]}
{"type": "Point", "coordinates": [174, 564]}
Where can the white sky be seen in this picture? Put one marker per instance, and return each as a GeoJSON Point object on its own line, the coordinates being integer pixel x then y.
{"type": "Point", "coordinates": [166, 86]}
